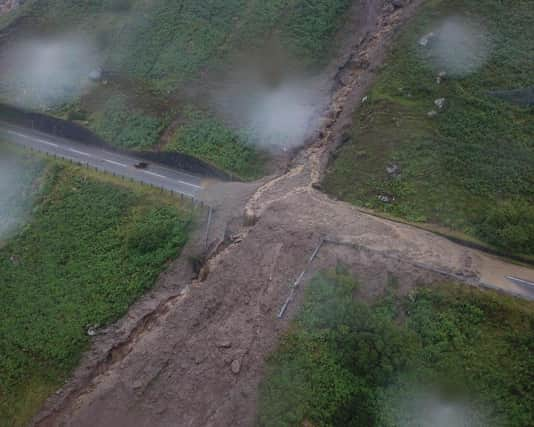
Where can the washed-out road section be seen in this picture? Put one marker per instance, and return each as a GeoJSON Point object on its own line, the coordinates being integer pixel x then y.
{"type": "Point", "coordinates": [177, 181]}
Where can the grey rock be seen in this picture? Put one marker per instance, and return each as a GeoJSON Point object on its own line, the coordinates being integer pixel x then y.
{"type": "Point", "coordinates": [223, 344]}
{"type": "Point", "coordinates": [385, 199]}
{"type": "Point", "coordinates": [393, 169]}
{"type": "Point", "coordinates": [426, 39]}
{"type": "Point", "coordinates": [236, 367]}
{"type": "Point", "coordinates": [440, 103]}
{"type": "Point", "coordinates": [441, 76]}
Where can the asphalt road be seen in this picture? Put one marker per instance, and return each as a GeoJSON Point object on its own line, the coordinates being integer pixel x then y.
{"type": "Point", "coordinates": [119, 164]}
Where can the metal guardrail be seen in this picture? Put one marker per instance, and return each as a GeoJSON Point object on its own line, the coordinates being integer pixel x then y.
{"type": "Point", "coordinates": [195, 202]}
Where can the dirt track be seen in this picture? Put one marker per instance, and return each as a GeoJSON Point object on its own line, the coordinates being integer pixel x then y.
{"type": "Point", "coordinates": [192, 352]}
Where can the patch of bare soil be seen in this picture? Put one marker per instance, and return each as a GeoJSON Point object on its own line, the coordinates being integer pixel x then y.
{"type": "Point", "coordinates": [193, 352]}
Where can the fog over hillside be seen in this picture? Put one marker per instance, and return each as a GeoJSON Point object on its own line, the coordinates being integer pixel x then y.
{"type": "Point", "coordinates": [16, 193]}
{"type": "Point", "coordinates": [47, 72]}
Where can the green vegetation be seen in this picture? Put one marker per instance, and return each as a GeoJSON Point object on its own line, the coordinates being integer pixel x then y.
{"type": "Point", "coordinates": [469, 168]}
{"type": "Point", "coordinates": [127, 127]}
{"type": "Point", "coordinates": [157, 51]}
{"type": "Point", "coordinates": [18, 185]}
{"type": "Point", "coordinates": [207, 138]}
{"type": "Point", "coordinates": [348, 363]}
{"type": "Point", "coordinates": [91, 249]}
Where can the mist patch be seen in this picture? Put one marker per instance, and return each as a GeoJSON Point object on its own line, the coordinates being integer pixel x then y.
{"type": "Point", "coordinates": [46, 73]}
{"type": "Point", "coordinates": [17, 190]}
{"type": "Point", "coordinates": [457, 46]}
{"type": "Point", "coordinates": [416, 406]}
{"type": "Point", "coordinates": [273, 103]}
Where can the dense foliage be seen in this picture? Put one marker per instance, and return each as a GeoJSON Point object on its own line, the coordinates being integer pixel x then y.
{"type": "Point", "coordinates": [89, 251]}
{"type": "Point", "coordinates": [154, 52]}
{"type": "Point", "coordinates": [18, 185]}
{"type": "Point", "coordinates": [207, 138]}
{"type": "Point", "coordinates": [125, 126]}
{"type": "Point", "coordinates": [471, 166]}
{"type": "Point", "coordinates": [347, 363]}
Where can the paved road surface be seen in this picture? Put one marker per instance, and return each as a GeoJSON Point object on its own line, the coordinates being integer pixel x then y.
{"type": "Point", "coordinates": [118, 164]}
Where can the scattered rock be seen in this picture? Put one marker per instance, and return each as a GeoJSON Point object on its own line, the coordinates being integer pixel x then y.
{"type": "Point", "coordinates": [361, 155]}
{"type": "Point", "coordinates": [223, 344]}
{"type": "Point", "coordinates": [236, 366]}
{"type": "Point", "coordinates": [137, 385]}
{"type": "Point", "coordinates": [426, 39]}
{"type": "Point", "coordinates": [250, 218]}
{"type": "Point", "coordinates": [359, 64]}
{"type": "Point", "coordinates": [441, 76]}
{"type": "Point", "coordinates": [393, 169]}
{"type": "Point", "coordinates": [440, 103]}
{"type": "Point", "coordinates": [364, 99]}
{"type": "Point", "coordinates": [397, 4]}
{"type": "Point", "coordinates": [317, 185]}
{"type": "Point", "coordinates": [91, 330]}
{"type": "Point", "coordinates": [432, 113]}
{"type": "Point", "coordinates": [15, 260]}
{"type": "Point", "coordinates": [385, 199]}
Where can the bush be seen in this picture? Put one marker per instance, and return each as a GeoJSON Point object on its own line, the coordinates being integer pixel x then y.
{"type": "Point", "coordinates": [205, 137]}
{"type": "Point", "coordinates": [347, 363]}
{"type": "Point", "coordinates": [91, 249]}
{"type": "Point", "coordinates": [509, 225]}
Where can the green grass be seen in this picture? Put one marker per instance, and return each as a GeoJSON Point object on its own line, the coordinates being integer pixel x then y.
{"type": "Point", "coordinates": [159, 49]}
{"type": "Point", "coordinates": [127, 127]}
{"type": "Point", "coordinates": [349, 363]}
{"type": "Point", "coordinates": [471, 167]}
{"type": "Point", "coordinates": [92, 247]}
{"type": "Point", "coordinates": [207, 138]}
{"type": "Point", "coordinates": [18, 185]}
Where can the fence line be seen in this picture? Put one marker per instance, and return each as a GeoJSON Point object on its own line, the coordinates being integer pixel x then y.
{"type": "Point", "coordinates": [183, 197]}
{"type": "Point", "coordinates": [472, 281]}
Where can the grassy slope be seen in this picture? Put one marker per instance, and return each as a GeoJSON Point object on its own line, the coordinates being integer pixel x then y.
{"type": "Point", "coordinates": [345, 363]}
{"type": "Point", "coordinates": [470, 168]}
{"type": "Point", "coordinates": [159, 48]}
{"type": "Point", "coordinates": [91, 248]}
{"type": "Point", "coordinates": [18, 185]}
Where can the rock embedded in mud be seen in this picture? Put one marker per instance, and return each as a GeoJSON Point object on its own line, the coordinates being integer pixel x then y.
{"type": "Point", "coordinates": [223, 344]}
{"type": "Point", "coordinates": [236, 367]}
{"type": "Point", "coordinates": [250, 218]}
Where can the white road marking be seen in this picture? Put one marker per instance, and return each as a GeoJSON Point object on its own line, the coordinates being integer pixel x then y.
{"type": "Point", "coordinates": [155, 174]}
{"type": "Point", "coordinates": [115, 163]}
{"type": "Point", "coordinates": [82, 153]}
{"type": "Point", "coordinates": [42, 141]}
{"type": "Point", "coordinates": [520, 281]}
{"type": "Point", "coordinates": [172, 180]}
